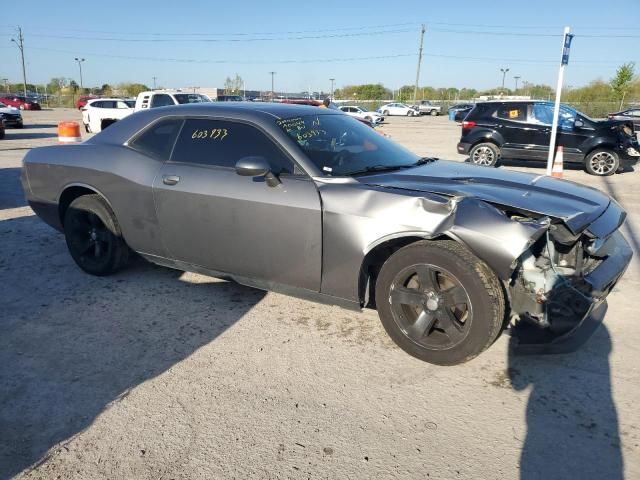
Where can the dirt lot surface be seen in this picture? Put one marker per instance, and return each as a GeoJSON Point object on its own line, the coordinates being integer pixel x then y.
{"type": "Point", "coordinates": [158, 374]}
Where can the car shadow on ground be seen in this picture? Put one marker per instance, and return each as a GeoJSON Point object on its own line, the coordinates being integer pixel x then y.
{"type": "Point", "coordinates": [11, 195]}
{"type": "Point", "coordinates": [40, 125]}
{"type": "Point", "coordinates": [71, 344]}
{"type": "Point", "coordinates": [24, 134]}
{"type": "Point", "coordinates": [572, 422]}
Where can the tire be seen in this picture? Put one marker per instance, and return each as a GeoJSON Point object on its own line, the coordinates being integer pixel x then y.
{"type": "Point", "coordinates": [485, 154]}
{"type": "Point", "coordinates": [602, 162]}
{"type": "Point", "coordinates": [2, 134]}
{"type": "Point", "coordinates": [410, 113]}
{"type": "Point", "coordinates": [93, 236]}
{"type": "Point", "coordinates": [20, 125]}
{"type": "Point", "coordinates": [434, 113]}
{"type": "Point", "coordinates": [386, 112]}
{"type": "Point", "coordinates": [452, 334]}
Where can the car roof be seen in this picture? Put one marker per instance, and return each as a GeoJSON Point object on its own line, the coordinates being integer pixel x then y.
{"type": "Point", "coordinates": [122, 130]}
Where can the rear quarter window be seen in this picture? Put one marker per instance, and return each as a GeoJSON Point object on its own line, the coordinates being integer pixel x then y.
{"type": "Point", "coordinates": [157, 140]}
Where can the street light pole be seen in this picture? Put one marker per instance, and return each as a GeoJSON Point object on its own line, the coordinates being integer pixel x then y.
{"type": "Point", "coordinates": [272, 75]}
{"type": "Point", "coordinates": [80, 60]}
{"type": "Point", "coordinates": [504, 73]}
{"type": "Point", "coordinates": [154, 82]}
{"type": "Point", "coordinates": [20, 44]}
{"type": "Point", "coordinates": [332, 80]}
{"type": "Point", "coordinates": [517, 77]}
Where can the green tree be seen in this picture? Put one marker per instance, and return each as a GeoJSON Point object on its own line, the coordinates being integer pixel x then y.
{"type": "Point", "coordinates": [131, 89]}
{"type": "Point", "coordinates": [622, 80]}
{"type": "Point", "coordinates": [73, 86]}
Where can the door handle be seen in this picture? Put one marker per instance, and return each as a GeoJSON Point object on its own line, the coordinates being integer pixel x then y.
{"type": "Point", "coordinates": [170, 179]}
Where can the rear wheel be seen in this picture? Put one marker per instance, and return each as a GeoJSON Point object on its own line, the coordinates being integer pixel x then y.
{"type": "Point", "coordinates": [485, 154]}
{"type": "Point", "coordinates": [438, 302]}
{"type": "Point", "coordinates": [93, 236]}
{"type": "Point", "coordinates": [602, 162]}
{"type": "Point", "coordinates": [434, 113]}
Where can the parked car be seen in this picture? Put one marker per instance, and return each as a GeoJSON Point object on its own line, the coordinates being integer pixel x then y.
{"type": "Point", "coordinates": [522, 130]}
{"type": "Point", "coordinates": [82, 101]}
{"type": "Point", "coordinates": [425, 107]}
{"type": "Point", "coordinates": [20, 102]}
{"type": "Point", "coordinates": [397, 109]}
{"type": "Point", "coordinates": [229, 98]}
{"type": "Point", "coordinates": [163, 98]}
{"type": "Point", "coordinates": [355, 111]}
{"type": "Point", "coordinates": [306, 201]}
{"type": "Point", "coordinates": [631, 114]}
{"type": "Point", "coordinates": [99, 113]}
{"type": "Point", "coordinates": [11, 116]}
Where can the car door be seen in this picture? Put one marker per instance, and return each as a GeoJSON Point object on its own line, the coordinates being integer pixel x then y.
{"type": "Point", "coordinates": [518, 136]}
{"type": "Point", "coordinates": [212, 217]}
{"type": "Point", "coordinates": [568, 136]}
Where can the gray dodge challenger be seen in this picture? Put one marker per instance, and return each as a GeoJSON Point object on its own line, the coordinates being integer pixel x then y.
{"type": "Point", "coordinates": [311, 203]}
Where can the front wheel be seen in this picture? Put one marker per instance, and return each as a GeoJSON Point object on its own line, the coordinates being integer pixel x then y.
{"type": "Point", "coordinates": [485, 154]}
{"type": "Point", "coordinates": [410, 113]}
{"type": "Point", "coordinates": [439, 302]}
{"type": "Point", "coordinates": [602, 163]}
{"type": "Point", "coordinates": [434, 113]}
{"type": "Point", "coordinates": [386, 112]}
{"type": "Point", "coordinates": [93, 236]}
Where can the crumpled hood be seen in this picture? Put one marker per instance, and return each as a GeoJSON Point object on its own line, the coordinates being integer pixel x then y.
{"type": "Point", "coordinates": [575, 204]}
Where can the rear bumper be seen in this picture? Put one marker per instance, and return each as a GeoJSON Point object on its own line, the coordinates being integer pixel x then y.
{"type": "Point", "coordinates": [464, 148]}
{"type": "Point", "coordinates": [529, 339]}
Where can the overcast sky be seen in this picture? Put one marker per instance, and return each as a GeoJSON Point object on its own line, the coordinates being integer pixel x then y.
{"type": "Point", "coordinates": [199, 43]}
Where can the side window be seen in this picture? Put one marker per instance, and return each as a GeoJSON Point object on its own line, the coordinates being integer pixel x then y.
{"type": "Point", "coordinates": [161, 100]}
{"type": "Point", "coordinates": [157, 140]}
{"type": "Point", "coordinates": [223, 143]}
{"type": "Point", "coordinates": [96, 104]}
{"type": "Point", "coordinates": [121, 105]}
{"type": "Point", "coordinates": [541, 113]}
{"type": "Point", "coordinates": [108, 104]}
{"type": "Point", "coordinates": [516, 112]}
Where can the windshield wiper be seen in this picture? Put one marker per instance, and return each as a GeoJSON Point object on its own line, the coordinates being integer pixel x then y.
{"type": "Point", "coordinates": [379, 168]}
{"type": "Point", "coordinates": [424, 160]}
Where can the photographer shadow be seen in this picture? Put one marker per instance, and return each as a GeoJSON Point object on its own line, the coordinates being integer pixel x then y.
{"type": "Point", "coordinates": [572, 423]}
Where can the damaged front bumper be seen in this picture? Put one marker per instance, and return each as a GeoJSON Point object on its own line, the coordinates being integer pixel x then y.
{"type": "Point", "coordinates": [576, 308]}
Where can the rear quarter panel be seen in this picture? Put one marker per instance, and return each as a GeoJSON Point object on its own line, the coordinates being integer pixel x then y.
{"type": "Point", "coordinates": [121, 175]}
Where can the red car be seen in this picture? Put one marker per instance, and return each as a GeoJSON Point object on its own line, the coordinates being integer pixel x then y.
{"type": "Point", "coordinates": [18, 101]}
{"type": "Point", "coordinates": [82, 101]}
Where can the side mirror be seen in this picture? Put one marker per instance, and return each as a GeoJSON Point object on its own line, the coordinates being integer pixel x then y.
{"type": "Point", "coordinates": [256, 167]}
{"type": "Point", "coordinates": [578, 123]}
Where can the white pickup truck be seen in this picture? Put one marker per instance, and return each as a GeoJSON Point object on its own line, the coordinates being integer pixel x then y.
{"type": "Point", "coordinates": [163, 98]}
{"type": "Point", "coordinates": [425, 107]}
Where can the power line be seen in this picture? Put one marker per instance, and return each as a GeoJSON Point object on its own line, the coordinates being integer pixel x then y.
{"type": "Point", "coordinates": [222, 40]}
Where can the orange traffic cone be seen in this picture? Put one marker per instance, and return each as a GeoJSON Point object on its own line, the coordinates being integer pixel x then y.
{"type": "Point", "coordinates": [556, 170]}
{"type": "Point", "coordinates": [69, 132]}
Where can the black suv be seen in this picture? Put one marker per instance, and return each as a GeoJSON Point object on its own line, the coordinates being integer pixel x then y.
{"type": "Point", "coordinates": [522, 130]}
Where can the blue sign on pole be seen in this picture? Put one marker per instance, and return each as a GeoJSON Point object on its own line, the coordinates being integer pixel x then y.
{"type": "Point", "coordinates": [567, 47]}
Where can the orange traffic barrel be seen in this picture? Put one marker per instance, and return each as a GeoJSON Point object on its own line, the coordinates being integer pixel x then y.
{"type": "Point", "coordinates": [69, 132]}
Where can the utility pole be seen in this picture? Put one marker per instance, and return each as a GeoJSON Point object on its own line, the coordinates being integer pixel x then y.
{"type": "Point", "coordinates": [517, 77]}
{"type": "Point", "coordinates": [504, 73]}
{"type": "Point", "coordinates": [154, 82]}
{"type": "Point", "coordinates": [6, 84]}
{"type": "Point", "coordinates": [80, 60]}
{"type": "Point", "coordinates": [20, 44]}
{"type": "Point", "coordinates": [332, 80]}
{"type": "Point", "coordinates": [415, 88]}
{"type": "Point", "coordinates": [272, 75]}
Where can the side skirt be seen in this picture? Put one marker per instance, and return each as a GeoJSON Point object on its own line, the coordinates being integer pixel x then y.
{"type": "Point", "coordinates": [302, 293]}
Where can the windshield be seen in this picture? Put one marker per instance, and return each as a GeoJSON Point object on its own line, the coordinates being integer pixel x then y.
{"type": "Point", "coordinates": [183, 98]}
{"type": "Point", "coordinates": [340, 145]}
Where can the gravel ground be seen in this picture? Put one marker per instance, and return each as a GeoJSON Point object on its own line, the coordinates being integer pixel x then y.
{"type": "Point", "coordinates": [159, 374]}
